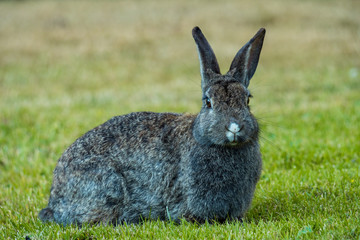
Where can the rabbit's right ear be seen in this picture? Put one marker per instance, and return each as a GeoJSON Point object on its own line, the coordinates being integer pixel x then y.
{"type": "Point", "coordinates": [246, 60]}
{"type": "Point", "coordinates": [208, 62]}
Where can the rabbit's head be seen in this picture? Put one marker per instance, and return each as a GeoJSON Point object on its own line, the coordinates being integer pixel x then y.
{"type": "Point", "coordinates": [225, 118]}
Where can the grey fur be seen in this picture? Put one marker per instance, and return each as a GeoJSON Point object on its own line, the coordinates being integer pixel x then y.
{"type": "Point", "coordinates": [167, 165]}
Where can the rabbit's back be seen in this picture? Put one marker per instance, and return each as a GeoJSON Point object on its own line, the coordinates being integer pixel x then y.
{"type": "Point", "coordinates": [120, 170]}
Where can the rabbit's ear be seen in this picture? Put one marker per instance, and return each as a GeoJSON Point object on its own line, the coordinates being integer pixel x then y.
{"type": "Point", "coordinates": [208, 62]}
{"type": "Point", "coordinates": [246, 60]}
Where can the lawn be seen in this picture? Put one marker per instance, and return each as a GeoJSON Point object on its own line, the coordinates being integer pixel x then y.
{"type": "Point", "coordinates": [68, 66]}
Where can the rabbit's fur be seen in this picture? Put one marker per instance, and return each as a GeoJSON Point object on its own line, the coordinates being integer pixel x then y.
{"type": "Point", "coordinates": [167, 165]}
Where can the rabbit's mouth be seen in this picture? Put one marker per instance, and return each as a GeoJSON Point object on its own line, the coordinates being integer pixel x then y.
{"type": "Point", "coordinates": [236, 142]}
{"type": "Point", "coordinates": [236, 135]}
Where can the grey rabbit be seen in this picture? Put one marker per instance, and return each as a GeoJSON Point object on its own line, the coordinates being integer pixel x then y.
{"type": "Point", "coordinates": [147, 165]}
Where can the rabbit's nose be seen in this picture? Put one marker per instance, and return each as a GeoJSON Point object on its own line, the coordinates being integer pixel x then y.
{"type": "Point", "coordinates": [234, 127]}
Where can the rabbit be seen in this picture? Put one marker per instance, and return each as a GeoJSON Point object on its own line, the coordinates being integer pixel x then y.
{"type": "Point", "coordinates": [168, 166]}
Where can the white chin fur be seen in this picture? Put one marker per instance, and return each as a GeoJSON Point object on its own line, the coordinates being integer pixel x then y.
{"type": "Point", "coordinates": [230, 136]}
{"type": "Point", "coordinates": [233, 130]}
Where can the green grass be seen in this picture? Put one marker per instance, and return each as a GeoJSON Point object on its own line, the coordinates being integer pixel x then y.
{"type": "Point", "coordinates": [66, 67]}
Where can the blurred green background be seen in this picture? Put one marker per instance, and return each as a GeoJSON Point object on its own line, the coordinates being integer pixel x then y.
{"type": "Point", "coordinates": [68, 66]}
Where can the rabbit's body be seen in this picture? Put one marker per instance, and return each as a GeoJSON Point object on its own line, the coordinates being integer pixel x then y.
{"type": "Point", "coordinates": [107, 176]}
{"type": "Point", "coordinates": [164, 165]}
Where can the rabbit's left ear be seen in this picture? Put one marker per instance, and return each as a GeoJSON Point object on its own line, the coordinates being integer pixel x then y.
{"type": "Point", "coordinates": [246, 60]}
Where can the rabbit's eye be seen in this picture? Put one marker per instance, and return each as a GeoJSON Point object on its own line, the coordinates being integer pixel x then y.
{"type": "Point", "coordinates": [208, 102]}
{"type": "Point", "coordinates": [248, 99]}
